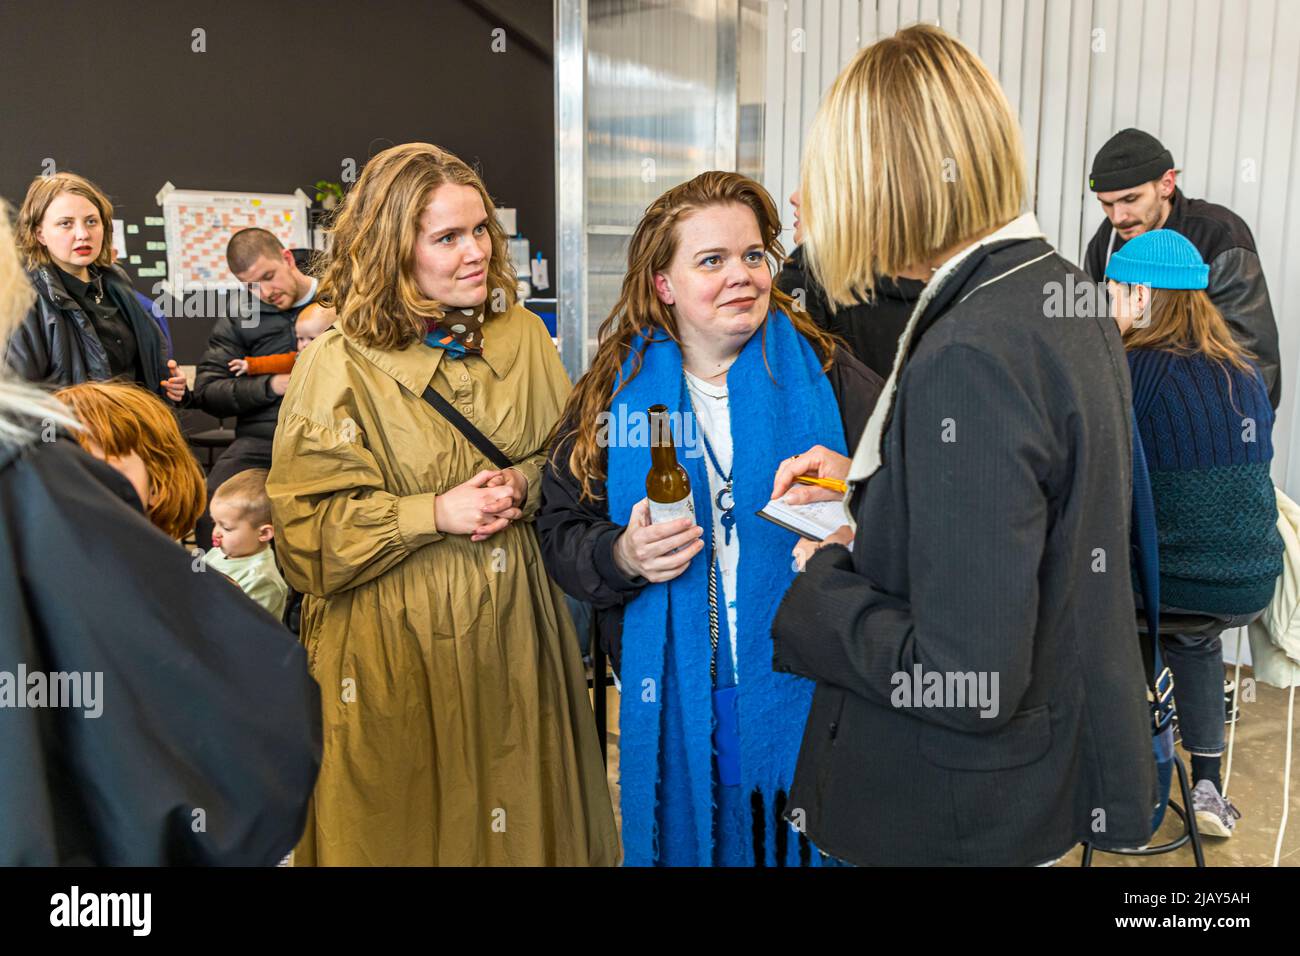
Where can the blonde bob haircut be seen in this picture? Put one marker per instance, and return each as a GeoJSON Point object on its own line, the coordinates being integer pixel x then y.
{"type": "Point", "coordinates": [43, 191]}
{"type": "Point", "coordinates": [913, 151]}
{"type": "Point", "coordinates": [369, 278]}
{"type": "Point", "coordinates": [121, 418]}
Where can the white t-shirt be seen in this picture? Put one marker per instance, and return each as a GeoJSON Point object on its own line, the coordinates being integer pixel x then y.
{"type": "Point", "coordinates": [256, 574]}
{"type": "Point", "coordinates": [309, 294]}
{"type": "Point", "coordinates": [713, 417]}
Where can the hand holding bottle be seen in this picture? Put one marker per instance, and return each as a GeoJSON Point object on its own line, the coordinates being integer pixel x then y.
{"type": "Point", "coordinates": [651, 550]}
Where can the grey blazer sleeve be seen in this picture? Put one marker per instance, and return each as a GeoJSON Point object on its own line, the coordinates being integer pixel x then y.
{"type": "Point", "coordinates": [1238, 289]}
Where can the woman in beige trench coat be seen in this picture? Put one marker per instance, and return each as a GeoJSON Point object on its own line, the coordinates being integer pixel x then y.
{"type": "Point", "coordinates": [457, 727]}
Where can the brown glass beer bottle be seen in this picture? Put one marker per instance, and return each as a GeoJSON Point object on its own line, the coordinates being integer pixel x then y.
{"type": "Point", "coordinates": [666, 485]}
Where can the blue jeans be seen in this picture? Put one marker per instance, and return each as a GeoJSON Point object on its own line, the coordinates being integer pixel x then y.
{"type": "Point", "coordinates": [1196, 661]}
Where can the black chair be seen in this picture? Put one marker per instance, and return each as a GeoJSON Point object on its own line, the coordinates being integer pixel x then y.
{"type": "Point", "coordinates": [600, 681]}
{"type": "Point", "coordinates": [1172, 624]}
{"type": "Point", "coordinates": [213, 441]}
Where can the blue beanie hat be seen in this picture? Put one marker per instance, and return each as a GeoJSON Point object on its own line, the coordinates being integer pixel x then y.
{"type": "Point", "coordinates": [1161, 259]}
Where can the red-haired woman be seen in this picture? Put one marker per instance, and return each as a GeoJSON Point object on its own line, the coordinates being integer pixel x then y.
{"type": "Point", "coordinates": [686, 611]}
{"type": "Point", "coordinates": [136, 433]}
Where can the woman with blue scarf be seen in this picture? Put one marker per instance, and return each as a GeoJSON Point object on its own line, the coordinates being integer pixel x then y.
{"type": "Point", "coordinates": [709, 733]}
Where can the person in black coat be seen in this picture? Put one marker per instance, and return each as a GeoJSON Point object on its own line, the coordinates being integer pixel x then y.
{"type": "Point", "coordinates": [86, 323]}
{"type": "Point", "coordinates": [981, 695]}
{"type": "Point", "coordinates": [870, 329]}
{"type": "Point", "coordinates": [150, 714]}
{"type": "Point", "coordinates": [281, 290]}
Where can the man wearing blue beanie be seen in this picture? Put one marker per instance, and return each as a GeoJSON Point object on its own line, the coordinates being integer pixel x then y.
{"type": "Point", "coordinates": [1134, 178]}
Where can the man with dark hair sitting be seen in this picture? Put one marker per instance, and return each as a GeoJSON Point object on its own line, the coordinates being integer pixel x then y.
{"type": "Point", "coordinates": [1135, 181]}
{"type": "Point", "coordinates": [275, 276]}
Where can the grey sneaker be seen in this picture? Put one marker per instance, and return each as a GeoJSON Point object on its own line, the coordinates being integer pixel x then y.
{"type": "Point", "coordinates": [1215, 816]}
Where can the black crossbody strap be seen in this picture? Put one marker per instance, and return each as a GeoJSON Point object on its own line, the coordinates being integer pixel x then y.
{"type": "Point", "coordinates": [466, 428]}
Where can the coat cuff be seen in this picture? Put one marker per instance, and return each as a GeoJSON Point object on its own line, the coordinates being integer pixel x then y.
{"type": "Point", "coordinates": [610, 573]}
{"type": "Point", "coordinates": [531, 469]}
{"type": "Point", "coordinates": [794, 626]}
{"type": "Point", "coordinates": [416, 523]}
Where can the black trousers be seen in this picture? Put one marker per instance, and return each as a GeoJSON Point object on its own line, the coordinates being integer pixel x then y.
{"type": "Point", "coordinates": [242, 454]}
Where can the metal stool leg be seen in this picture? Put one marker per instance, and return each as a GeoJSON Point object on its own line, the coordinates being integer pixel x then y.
{"type": "Point", "coordinates": [1189, 817]}
{"type": "Point", "coordinates": [1191, 833]}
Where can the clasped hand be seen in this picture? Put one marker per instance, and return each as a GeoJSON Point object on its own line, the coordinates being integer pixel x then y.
{"type": "Point", "coordinates": [482, 506]}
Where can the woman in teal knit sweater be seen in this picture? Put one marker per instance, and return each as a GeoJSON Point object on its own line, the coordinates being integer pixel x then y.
{"type": "Point", "coordinates": [1206, 426]}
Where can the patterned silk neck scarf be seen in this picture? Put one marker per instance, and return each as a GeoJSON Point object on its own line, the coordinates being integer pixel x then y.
{"type": "Point", "coordinates": [459, 331]}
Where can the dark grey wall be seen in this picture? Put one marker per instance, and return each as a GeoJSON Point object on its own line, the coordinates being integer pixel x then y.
{"type": "Point", "coordinates": [283, 94]}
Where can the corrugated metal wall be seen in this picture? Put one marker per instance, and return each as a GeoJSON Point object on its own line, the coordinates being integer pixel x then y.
{"type": "Point", "coordinates": [648, 94]}
{"type": "Point", "coordinates": [1218, 81]}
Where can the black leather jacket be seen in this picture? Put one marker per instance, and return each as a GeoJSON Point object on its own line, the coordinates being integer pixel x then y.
{"type": "Point", "coordinates": [56, 344]}
{"type": "Point", "coordinates": [1237, 286]}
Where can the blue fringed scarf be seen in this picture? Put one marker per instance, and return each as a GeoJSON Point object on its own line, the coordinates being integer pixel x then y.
{"type": "Point", "coordinates": [666, 771]}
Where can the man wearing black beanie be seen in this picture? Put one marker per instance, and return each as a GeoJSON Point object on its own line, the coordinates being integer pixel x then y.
{"type": "Point", "coordinates": [1134, 179]}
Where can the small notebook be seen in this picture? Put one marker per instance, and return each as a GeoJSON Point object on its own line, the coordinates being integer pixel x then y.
{"type": "Point", "coordinates": [816, 520]}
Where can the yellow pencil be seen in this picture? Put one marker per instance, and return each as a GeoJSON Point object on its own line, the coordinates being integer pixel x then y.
{"type": "Point", "coordinates": [834, 484]}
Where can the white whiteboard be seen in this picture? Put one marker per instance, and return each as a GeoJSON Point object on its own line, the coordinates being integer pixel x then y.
{"type": "Point", "coordinates": [199, 224]}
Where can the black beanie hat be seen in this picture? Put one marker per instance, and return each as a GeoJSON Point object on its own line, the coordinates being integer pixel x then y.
{"type": "Point", "coordinates": [1129, 158]}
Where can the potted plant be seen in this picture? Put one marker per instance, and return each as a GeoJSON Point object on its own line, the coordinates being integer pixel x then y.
{"type": "Point", "coordinates": [328, 194]}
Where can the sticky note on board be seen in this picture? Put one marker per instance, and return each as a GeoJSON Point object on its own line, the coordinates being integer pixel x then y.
{"type": "Point", "coordinates": [155, 221]}
{"type": "Point", "coordinates": [156, 246]}
{"type": "Point", "coordinates": [540, 272]}
{"type": "Point", "coordinates": [132, 229]}
{"type": "Point", "coordinates": [135, 260]}
{"type": "Point", "coordinates": [257, 202]}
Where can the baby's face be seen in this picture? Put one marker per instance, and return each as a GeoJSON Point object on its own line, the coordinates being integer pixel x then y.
{"type": "Point", "coordinates": [235, 534]}
{"type": "Point", "coordinates": [312, 323]}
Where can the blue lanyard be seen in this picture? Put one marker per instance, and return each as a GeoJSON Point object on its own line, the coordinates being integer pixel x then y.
{"type": "Point", "coordinates": [724, 499]}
